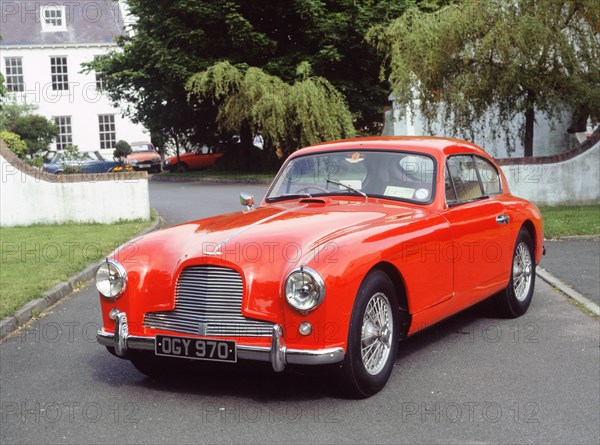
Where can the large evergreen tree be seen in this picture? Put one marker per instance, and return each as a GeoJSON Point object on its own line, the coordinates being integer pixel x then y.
{"type": "Point", "coordinates": [173, 40]}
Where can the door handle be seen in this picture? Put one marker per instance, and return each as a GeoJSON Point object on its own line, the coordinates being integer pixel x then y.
{"type": "Point", "coordinates": [502, 219]}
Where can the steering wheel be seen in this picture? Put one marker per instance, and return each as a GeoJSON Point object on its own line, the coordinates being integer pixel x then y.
{"type": "Point", "coordinates": [308, 187]}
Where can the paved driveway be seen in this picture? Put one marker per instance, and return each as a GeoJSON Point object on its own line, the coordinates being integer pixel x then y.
{"type": "Point", "coordinates": [577, 263]}
{"type": "Point", "coordinates": [471, 379]}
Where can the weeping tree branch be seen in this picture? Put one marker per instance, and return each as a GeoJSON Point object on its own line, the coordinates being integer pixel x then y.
{"type": "Point", "coordinates": [491, 61]}
{"type": "Point", "coordinates": [289, 116]}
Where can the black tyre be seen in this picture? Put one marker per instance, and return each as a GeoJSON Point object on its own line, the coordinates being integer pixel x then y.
{"type": "Point", "coordinates": [182, 167]}
{"type": "Point", "coordinates": [372, 338]}
{"type": "Point", "coordinates": [516, 298]}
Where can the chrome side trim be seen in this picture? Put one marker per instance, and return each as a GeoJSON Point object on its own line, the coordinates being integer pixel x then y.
{"type": "Point", "coordinates": [278, 354]}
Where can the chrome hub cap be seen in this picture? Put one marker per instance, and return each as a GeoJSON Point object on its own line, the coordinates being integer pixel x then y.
{"type": "Point", "coordinates": [376, 333]}
{"type": "Point", "coordinates": [522, 269]}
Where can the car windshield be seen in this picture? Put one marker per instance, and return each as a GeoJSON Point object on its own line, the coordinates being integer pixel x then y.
{"type": "Point", "coordinates": [49, 157]}
{"type": "Point", "coordinates": [141, 148]}
{"type": "Point", "coordinates": [389, 174]}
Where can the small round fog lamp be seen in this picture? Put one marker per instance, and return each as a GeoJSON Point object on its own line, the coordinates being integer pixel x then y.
{"type": "Point", "coordinates": [305, 328]}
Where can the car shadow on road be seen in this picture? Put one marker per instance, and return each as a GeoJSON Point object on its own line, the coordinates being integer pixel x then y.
{"type": "Point", "coordinates": [252, 380]}
{"type": "Point", "coordinates": [451, 330]}
{"type": "Point", "coordinates": [258, 382]}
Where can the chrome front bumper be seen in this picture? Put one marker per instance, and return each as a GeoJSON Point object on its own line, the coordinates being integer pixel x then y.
{"type": "Point", "coordinates": [278, 354]}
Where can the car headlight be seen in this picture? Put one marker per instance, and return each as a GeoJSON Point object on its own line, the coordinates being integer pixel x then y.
{"type": "Point", "coordinates": [133, 162]}
{"type": "Point", "coordinates": [111, 279]}
{"type": "Point", "coordinates": [304, 289]}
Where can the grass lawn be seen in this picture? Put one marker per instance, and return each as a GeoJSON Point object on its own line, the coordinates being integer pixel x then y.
{"type": "Point", "coordinates": [571, 220]}
{"type": "Point", "coordinates": [226, 175]}
{"type": "Point", "coordinates": [35, 258]}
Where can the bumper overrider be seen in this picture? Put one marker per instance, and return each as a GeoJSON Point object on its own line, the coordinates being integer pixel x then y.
{"type": "Point", "coordinates": [278, 354]}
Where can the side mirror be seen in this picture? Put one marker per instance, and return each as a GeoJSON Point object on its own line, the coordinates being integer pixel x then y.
{"type": "Point", "coordinates": [247, 200]}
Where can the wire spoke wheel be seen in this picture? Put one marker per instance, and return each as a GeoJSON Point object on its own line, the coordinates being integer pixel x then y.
{"type": "Point", "coordinates": [373, 335]}
{"type": "Point", "coordinates": [376, 332]}
{"type": "Point", "coordinates": [514, 300]}
{"type": "Point", "coordinates": [522, 269]}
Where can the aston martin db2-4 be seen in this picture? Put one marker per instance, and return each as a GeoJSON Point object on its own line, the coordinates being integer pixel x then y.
{"type": "Point", "coordinates": [357, 244]}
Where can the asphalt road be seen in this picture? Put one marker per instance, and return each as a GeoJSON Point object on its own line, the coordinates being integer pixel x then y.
{"type": "Point", "coordinates": [576, 262]}
{"type": "Point", "coordinates": [471, 379]}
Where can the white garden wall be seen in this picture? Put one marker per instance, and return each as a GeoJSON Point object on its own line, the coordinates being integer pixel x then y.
{"type": "Point", "coordinates": [572, 180]}
{"type": "Point", "coordinates": [28, 196]}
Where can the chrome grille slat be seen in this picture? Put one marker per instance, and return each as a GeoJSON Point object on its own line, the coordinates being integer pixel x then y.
{"type": "Point", "coordinates": [211, 297]}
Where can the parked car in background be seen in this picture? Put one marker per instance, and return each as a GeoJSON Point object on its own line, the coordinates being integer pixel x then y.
{"type": "Point", "coordinates": [144, 157]}
{"type": "Point", "coordinates": [357, 244]}
{"type": "Point", "coordinates": [58, 162]}
{"type": "Point", "coordinates": [198, 159]}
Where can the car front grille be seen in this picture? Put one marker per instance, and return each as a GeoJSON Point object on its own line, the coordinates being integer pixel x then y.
{"type": "Point", "coordinates": [208, 301]}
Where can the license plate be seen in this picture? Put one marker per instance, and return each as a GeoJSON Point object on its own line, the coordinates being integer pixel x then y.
{"type": "Point", "coordinates": [144, 165]}
{"type": "Point", "coordinates": [196, 348]}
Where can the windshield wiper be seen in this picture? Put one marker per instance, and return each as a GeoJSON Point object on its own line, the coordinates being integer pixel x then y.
{"type": "Point", "coordinates": [290, 196]}
{"type": "Point", "coordinates": [352, 189]}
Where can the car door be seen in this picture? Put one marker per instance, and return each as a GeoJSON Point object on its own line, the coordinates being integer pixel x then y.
{"type": "Point", "coordinates": [479, 225]}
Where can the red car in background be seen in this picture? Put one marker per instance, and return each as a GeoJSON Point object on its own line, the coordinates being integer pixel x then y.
{"type": "Point", "coordinates": [198, 159]}
{"type": "Point", "coordinates": [144, 157]}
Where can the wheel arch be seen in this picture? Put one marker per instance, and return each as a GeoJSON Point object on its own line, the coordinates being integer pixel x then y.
{"type": "Point", "coordinates": [398, 281]}
{"type": "Point", "coordinates": [528, 225]}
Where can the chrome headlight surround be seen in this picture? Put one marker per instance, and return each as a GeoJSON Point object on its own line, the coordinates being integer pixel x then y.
{"type": "Point", "coordinates": [111, 279]}
{"type": "Point", "coordinates": [304, 289]}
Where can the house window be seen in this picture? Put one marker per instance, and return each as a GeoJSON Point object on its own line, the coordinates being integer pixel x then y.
{"type": "Point", "coordinates": [14, 74]}
{"type": "Point", "coordinates": [65, 134]}
{"type": "Point", "coordinates": [60, 76]}
{"type": "Point", "coordinates": [53, 18]}
{"type": "Point", "coordinates": [99, 82]}
{"type": "Point", "coordinates": [108, 135]}
{"type": "Point", "coordinates": [99, 78]}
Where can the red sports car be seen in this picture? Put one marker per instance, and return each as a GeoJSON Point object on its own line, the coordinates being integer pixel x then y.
{"type": "Point", "coordinates": [357, 244]}
{"type": "Point", "coordinates": [196, 159]}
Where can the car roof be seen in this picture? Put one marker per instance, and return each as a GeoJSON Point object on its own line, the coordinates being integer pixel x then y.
{"type": "Point", "coordinates": [436, 146]}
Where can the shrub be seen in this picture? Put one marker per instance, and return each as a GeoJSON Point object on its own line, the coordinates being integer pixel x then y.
{"type": "Point", "coordinates": [14, 143]}
{"type": "Point", "coordinates": [122, 149]}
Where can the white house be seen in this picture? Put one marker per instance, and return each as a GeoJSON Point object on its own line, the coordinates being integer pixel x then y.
{"type": "Point", "coordinates": [44, 44]}
{"type": "Point", "coordinates": [550, 136]}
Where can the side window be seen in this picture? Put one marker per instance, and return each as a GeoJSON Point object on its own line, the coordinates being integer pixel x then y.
{"type": "Point", "coordinates": [463, 173]}
{"type": "Point", "coordinates": [449, 187]}
{"type": "Point", "coordinates": [489, 176]}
